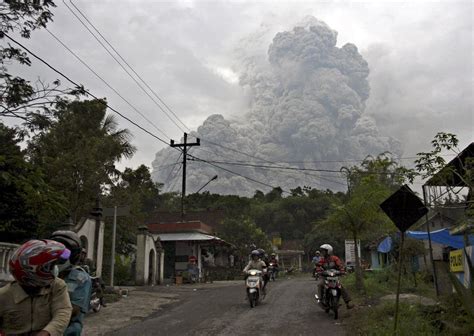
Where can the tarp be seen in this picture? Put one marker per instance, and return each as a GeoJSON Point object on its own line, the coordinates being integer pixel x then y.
{"type": "Point", "coordinates": [441, 237]}
{"type": "Point", "coordinates": [385, 245]}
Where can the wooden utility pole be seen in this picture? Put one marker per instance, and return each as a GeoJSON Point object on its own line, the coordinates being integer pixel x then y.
{"type": "Point", "coordinates": [185, 146]}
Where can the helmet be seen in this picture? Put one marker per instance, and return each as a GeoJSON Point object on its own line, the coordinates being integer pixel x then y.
{"type": "Point", "coordinates": [33, 263]}
{"type": "Point", "coordinates": [71, 240]}
{"type": "Point", "coordinates": [255, 253]}
{"type": "Point", "coordinates": [326, 247]}
{"type": "Point", "coordinates": [273, 255]}
{"type": "Point", "coordinates": [318, 253]}
{"type": "Point", "coordinates": [261, 252]}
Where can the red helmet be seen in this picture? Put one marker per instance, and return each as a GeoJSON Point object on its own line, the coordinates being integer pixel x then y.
{"type": "Point", "coordinates": [33, 263]}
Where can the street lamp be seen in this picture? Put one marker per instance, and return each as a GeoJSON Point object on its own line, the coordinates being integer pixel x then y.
{"type": "Point", "coordinates": [212, 179]}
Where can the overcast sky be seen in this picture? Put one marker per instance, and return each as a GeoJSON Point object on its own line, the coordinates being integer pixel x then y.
{"type": "Point", "coordinates": [419, 54]}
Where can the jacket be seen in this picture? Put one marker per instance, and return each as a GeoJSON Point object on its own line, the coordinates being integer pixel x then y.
{"type": "Point", "coordinates": [79, 286]}
{"type": "Point", "coordinates": [258, 265]}
{"type": "Point", "coordinates": [49, 309]}
{"type": "Point", "coordinates": [331, 262]}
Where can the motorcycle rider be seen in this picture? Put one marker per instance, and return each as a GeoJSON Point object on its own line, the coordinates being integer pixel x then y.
{"type": "Point", "coordinates": [36, 302]}
{"type": "Point", "coordinates": [257, 264]}
{"type": "Point", "coordinates": [78, 281]}
{"type": "Point", "coordinates": [315, 261]}
{"type": "Point", "coordinates": [264, 258]}
{"type": "Point", "coordinates": [329, 261]}
{"type": "Point", "coordinates": [273, 260]}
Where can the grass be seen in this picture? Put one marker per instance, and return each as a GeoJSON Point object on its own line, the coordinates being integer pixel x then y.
{"type": "Point", "coordinates": [374, 316]}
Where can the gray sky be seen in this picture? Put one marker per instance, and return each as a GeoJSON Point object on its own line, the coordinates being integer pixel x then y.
{"type": "Point", "coordinates": [419, 53]}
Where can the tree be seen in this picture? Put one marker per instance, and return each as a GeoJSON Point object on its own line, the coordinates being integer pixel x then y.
{"type": "Point", "coordinates": [19, 98]}
{"type": "Point", "coordinates": [27, 202]}
{"type": "Point", "coordinates": [360, 214]}
{"type": "Point", "coordinates": [242, 232]}
{"type": "Point", "coordinates": [78, 150]}
{"type": "Point", "coordinates": [136, 190]}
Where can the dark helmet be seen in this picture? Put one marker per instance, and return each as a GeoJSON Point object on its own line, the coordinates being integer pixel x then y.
{"type": "Point", "coordinates": [71, 240]}
{"type": "Point", "coordinates": [255, 253]}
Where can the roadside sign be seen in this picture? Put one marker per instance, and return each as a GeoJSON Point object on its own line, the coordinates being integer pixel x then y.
{"type": "Point", "coordinates": [404, 208]}
{"type": "Point", "coordinates": [276, 241]}
{"type": "Point", "coordinates": [456, 261]}
{"type": "Point", "coordinates": [122, 211]}
{"type": "Point", "coordinates": [350, 251]}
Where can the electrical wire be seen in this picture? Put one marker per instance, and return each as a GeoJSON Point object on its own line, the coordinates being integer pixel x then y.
{"type": "Point", "coordinates": [121, 65]}
{"type": "Point", "coordinates": [87, 92]}
{"type": "Point", "coordinates": [106, 83]}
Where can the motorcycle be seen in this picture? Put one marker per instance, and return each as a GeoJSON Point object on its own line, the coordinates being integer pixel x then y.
{"type": "Point", "coordinates": [254, 285]}
{"type": "Point", "coordinates": [271, 272]}
{"type": "Point", "coordinates": [96, 301]}
{"type": "Point", "coordinates": [331, 292]}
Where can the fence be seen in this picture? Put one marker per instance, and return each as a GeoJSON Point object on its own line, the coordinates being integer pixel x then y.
{"type": "Point", "coordinates": [6, 250]}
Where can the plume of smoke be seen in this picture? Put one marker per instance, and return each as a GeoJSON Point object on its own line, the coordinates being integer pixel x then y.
{"type": "Point", "coordinates": [307, 101]}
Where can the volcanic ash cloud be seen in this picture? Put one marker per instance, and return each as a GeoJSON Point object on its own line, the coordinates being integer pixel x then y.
{"type": "Point", "coordinates": [307, 101]}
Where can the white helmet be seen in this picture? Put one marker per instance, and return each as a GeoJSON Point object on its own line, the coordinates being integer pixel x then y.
{"type": "Point", "coordinates": [326, 247]}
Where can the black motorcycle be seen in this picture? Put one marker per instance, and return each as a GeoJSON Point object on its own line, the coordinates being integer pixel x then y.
{"type": "Point", "coordinates": [97, 295]}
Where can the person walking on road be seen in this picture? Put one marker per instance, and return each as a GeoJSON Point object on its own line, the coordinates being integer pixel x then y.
{"type": "Point", "coordinates": [79, 283]}
{"type": "Point", "coordinates": [36, 302]}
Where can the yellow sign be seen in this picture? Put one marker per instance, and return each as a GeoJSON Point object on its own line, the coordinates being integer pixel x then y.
{"type": "Point", "coordinates": [276, 241]}
{"type": "Point", "coordinates": [456, 262]}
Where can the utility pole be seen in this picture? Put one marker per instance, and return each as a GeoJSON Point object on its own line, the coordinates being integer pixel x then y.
{"type": "Point", "coordinates": [185, 146]}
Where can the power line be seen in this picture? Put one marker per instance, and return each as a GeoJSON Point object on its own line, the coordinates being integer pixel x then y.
{"type": "Point", "coordinates": [105, 82]}
{"type": "Point", "coordinates": [238, 174]}
{"type": "Point", "coordinates": [121, 65]}
{"type": "Point", "coordinates": [79, 86]}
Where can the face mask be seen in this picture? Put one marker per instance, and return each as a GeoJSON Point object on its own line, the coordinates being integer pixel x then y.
{"type": "Point", "coordinates": [64, 266]}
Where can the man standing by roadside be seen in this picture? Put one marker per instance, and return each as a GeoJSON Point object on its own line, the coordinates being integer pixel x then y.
{"type": "Point", "coordinates": [37, 302]}
{"type": "Point", "coordinates": [79, 284]}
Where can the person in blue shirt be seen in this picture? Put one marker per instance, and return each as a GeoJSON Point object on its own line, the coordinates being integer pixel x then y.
{"type": "Point", "coordinates": [78, 281]}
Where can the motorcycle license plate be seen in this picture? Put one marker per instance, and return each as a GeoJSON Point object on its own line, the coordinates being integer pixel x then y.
{"type": "Point", "coordinates": [331, 278]}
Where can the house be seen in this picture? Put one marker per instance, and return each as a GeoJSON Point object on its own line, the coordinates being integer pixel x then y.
{"type": "Point", "coordinates": [182, 240]}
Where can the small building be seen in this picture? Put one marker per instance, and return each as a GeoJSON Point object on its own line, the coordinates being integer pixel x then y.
{"type": "Point", "coordinates": [183, 240]}
{"type": "Point", "coordinates": [289, 255]}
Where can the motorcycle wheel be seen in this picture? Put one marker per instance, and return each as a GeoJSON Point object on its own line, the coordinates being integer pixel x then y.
{"type": "Point", "coordinates": [251, 299]}
{"type": "Point", "coordinates": [335, 306]}
{"type": "Point", "coordinates": [96, 308]}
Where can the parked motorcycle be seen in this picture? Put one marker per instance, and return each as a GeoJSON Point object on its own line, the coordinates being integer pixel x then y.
{"type": "Point", "coordinates": [271, 271]}
{"type": "Point", "coordinates": [96, 301]}
{"type": "Point", "coordinates": [331, 292]}
{"type": "Point", "coordinates": [254, 286]}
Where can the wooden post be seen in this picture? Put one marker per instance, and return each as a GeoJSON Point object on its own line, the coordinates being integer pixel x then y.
{"type": "Point", "coordinates": [400, 265]}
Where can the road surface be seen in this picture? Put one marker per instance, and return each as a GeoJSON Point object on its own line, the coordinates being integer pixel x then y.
{"type": "Point", "coordinates": [288, 309]}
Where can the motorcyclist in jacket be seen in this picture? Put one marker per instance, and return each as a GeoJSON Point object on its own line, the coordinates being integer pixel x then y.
{"type": "Point", "coordinates": [273, 260]}
{"type": "Point", "coordinates": [78, 281]}
{"type": "Point", "coordinates": [329, 261]}
{"type": "Point", "coordinates": [257, 264]}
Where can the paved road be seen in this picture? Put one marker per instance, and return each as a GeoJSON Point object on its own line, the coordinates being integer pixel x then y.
{"type": "Point", "coordinates": [288, 309]}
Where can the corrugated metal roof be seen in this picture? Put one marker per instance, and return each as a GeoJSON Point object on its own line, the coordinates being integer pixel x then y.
{"type": "Point", "coordinates": [186, 236]}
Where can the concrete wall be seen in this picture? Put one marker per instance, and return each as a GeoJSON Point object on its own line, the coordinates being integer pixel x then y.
{"type": "Point", "coordinates": [6, 250]}
{"type": "Point", "coordinates": [86, 231]}
{"type": "Point", "coordinates": [149, 263]}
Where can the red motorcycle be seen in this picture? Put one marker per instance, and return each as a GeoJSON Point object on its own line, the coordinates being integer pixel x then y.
{"type": "Point", "coordinates": [331, 291]}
